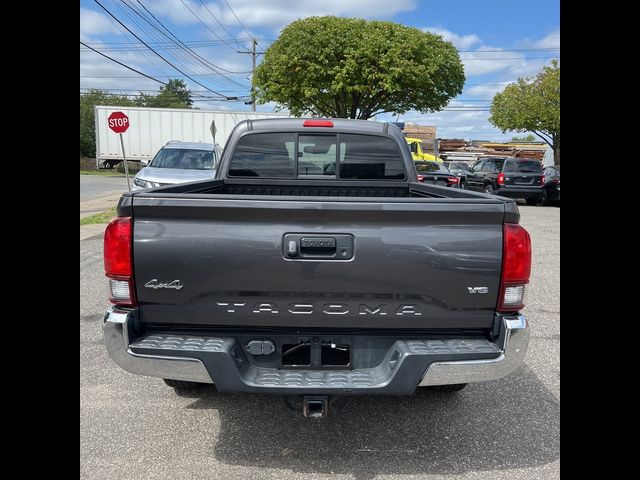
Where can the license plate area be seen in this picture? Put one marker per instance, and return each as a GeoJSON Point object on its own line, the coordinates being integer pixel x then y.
{"type": "Point", "coordinates": [316, 353]}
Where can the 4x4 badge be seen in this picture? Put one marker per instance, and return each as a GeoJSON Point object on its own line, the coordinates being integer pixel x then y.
{"type": "Point", "coordinates": [155, 284]}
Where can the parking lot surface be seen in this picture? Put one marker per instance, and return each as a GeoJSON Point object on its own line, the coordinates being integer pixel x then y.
{"type": "Point", "coordinates": [135, 427]}
{"type": "Point", "coordinates": [96, 186]}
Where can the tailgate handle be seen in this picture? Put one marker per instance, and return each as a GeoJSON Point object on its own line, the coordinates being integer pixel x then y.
{"type": "Point", "coordinates": [318, 246]}
{"type": "Point", "coordinates": [300, 246]}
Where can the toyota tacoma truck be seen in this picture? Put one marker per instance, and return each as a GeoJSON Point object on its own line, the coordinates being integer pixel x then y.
{"type": "Point", "coordinates": [315, 264]}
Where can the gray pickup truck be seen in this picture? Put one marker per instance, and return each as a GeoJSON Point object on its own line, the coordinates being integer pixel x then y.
{"type": "Point", "coordinates": [316, 264]}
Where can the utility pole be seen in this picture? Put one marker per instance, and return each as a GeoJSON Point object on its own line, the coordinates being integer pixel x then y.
{"type": "Point", "coordinates": [253, 54]}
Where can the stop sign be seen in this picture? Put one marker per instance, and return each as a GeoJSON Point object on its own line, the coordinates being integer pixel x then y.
{"type": "Point", "coordinates": [118, 122]}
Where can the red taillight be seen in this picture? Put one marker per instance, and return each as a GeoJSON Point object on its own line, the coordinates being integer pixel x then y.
{"type": "Point", "coordinates": [556, 180]}
{"type": "Point", "coordinates": [420, 178]}
{"type": "Point", "coordinates": [317, 123]}
{"type": "Point", "coordinates": [516, 267]}
{"type": "Point", "coordinates": [500, 179]}
{"type": "Point", "coordinates": [453, 180]}
{"type": "Point", "coordinates": [117, 247]}
{"type": "Point", "coordinates": [117, 261]}
{"type": "Point", "coordinates": [542, 180]}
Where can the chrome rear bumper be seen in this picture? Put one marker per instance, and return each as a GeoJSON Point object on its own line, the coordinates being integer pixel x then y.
{"type": "Point", "coordinates": [514, 341]}
{"type": "Point", "coordinates": [116, 338]}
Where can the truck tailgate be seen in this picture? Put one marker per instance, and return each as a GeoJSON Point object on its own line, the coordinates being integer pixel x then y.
{"type": "Point", "coordinates": [220, 260]}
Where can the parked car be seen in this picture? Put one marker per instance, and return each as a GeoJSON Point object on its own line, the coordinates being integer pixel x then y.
{"type": "Point", "coordinates": [436, 173]}
{"type": "Point", "coordinates": [179, 162]}
{"type": "Point", "coordinates": [271, 280]}
{"type": "Point", "coordinates": [509, 177]}
{"type": "Point", "coordinates": [551, 193]}
{"type": "Point", "coordinates": [460, 170]}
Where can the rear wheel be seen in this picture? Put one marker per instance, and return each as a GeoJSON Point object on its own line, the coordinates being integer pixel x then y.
{"type": "Point", "coordinates": [182, 385]}
{"type": "Point", "coordinates": [488, 189]}
{"type": "Point", "coordinates": [448, 388]}
{"type": "Point", "coordinates": [533, 201]}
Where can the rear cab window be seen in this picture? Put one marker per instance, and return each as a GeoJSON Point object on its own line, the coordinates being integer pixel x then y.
{"type": "Point", "coordinates": [422, 167]}
{"type": "Point", "coordinates": [308, 155]}
{"type": "Point", "coordinates": [522, 166]}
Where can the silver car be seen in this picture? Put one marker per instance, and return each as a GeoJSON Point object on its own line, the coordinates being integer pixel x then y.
{"type": "Point", "coordinates": [179, 162]}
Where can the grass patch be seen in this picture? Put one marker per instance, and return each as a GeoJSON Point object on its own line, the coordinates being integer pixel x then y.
{"type": "Point", "coordinates": [106, 173]}
{"type": "Point", "coordinates": [103, 217]}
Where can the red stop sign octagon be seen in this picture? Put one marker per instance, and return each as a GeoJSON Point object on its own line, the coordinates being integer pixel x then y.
{"type": "Point", "coordinates": [118, 122]}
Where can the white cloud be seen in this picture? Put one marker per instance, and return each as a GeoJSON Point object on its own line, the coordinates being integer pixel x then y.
{"type": "Point", "coordinates": [487, 59]}
{"type": "Point", "coordinates": [552, 40]}
{"type": "Point", "coordinates": [99, 72]}
{"type": "Point", "coordinates": [485, 92]}
{"type": "Point", "coordinates": [461, 42]}
{"type": "Point", "coordinates": [275, 14]}
{"type": "Point", "coordinates": [94, 23]}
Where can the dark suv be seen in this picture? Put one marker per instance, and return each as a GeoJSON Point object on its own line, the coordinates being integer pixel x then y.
{"type": "Point", "coordinates": [508, 177]}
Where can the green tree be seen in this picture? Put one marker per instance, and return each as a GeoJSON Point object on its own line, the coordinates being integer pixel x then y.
{"type": "Point", "coordinates": [532, 105]}
{"type": "Point", "coordinates": [527, 138]}
{"type": "Point", "coordinates": [354, 68]}
{"type": "Point", "coordinates": [174, 94]}
{"type": "Point", "coordinates": [88, 101]}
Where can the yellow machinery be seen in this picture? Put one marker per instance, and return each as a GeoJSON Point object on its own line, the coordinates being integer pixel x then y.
{"type": "Point", "coordinates": [415, 144]}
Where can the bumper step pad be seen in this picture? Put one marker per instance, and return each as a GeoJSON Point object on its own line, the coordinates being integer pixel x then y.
{"type": "Point", "coordinates": [399, 373]}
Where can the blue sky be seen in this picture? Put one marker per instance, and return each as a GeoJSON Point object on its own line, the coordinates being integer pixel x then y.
{"type": "Point", "coordinates": [498, 40]}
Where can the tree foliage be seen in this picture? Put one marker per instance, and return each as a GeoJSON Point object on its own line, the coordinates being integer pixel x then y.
{"type": "Point", "coordinates": [524, 138]}
{"type": "Point", "coordinates": [87, 116]}
{"type": "Point", "coordinates": [532, 105]}
{"type": "Point", "coordinates": [173, 95]}
{"type": "Point", "coordinates": [354, 68]}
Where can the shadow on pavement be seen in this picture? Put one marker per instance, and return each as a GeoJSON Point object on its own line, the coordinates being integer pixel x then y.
{"type": "Point", "coordinates": [506, 424]}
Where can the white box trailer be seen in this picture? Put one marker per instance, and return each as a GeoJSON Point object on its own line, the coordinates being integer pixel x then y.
{"type": "Point", "coordinates": [151, 128]}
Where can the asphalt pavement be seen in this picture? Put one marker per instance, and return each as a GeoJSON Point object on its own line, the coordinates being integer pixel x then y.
{"type": "Point", "coordinates": [134, 427]}
{"type": "Point", "coordinates": [96, 186]}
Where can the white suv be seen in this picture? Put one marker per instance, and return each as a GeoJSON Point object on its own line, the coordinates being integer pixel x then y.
{"type": "Point", "coordinates": [179, 162]}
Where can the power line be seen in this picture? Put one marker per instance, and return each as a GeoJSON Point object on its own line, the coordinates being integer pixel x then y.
{"type": "Point", "coordinates": [147, 90]}
{"type": "Point", "coordinates": [192, 43]}
{"type": "Point", "coordinates": [200, 99]}
{"type": "Point", "coordinates": [125, 9]}
{"type": "Point", "coordinates": [150, 48]}
{"type": "Point", "coordinates": [213, 67]}
{"type": "Point", "coordinates": [125, 66]}
{"type": "Point", "coordinates": [137, 91]}
{"type": "Point", "coordinates": [186, 52]}
{"type": "Point", "coordinates": [163, 76]}
{"type": "Point", "coordinates": [218, 21]}
{"type": "Point", "coordinates": [234, 14]}
{"type": "Point", "coordinates": [205, 25]}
